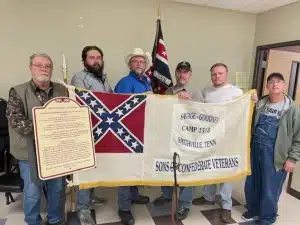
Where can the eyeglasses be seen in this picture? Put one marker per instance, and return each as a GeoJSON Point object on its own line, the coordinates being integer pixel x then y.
{"type": "Point", "coordinates": [138, 61]}
{"type": "Point", "coordinates": [40, 66]}
{"type": "Point", "coordinates": [275, 81]}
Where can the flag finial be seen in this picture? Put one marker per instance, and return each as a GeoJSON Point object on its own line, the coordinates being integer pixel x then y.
{"type": "Point", "coordinates": [158, 12]}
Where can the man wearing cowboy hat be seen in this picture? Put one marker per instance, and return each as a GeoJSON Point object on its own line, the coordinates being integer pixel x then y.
{"type": "Point", "coordinates": [134, 82]}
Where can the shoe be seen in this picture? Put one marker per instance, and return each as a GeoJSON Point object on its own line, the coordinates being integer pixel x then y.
{"type": "Point", "coordinates": [247, 216]}
{"type": "Point", "coordinates": [141, 200]}
{"type": "Point", "coordinates": [126, 217]}
{"type": "Point", "coordinates": [59, 223]}
{"type": "Point", "coordinates": [98, 201]}
{"type": "Point", "coordinates": [202, 201]}
{"type": "Point", "coordinates": [264, 223]}
{"type": "Point", "coordinates": [226, 216]}
{"type": "Point", "coordinates": [85, 217]}
{"type": "Point", "coordinates": [182, 213]}
{"type": "Point", "coordinates": [161, 200]}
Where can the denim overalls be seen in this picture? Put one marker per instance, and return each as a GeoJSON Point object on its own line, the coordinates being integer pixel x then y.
{"type": "Point", "coordinates": [263, 187]}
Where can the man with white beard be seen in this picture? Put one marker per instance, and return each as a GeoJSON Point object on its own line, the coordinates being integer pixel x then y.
{"type": "Point", "coordinates": [22, 98]}
{"type": "Point", "coordinates": [133, 83]}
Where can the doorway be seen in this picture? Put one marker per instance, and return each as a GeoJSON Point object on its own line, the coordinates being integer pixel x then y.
{"type": "Point", "coordinates": [284, 58]}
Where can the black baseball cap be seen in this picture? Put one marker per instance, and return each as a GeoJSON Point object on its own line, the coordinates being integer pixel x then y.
{"type": "Point", "coordinates": [275, 75]}
{"type": "Point", "coordinates": [184, 65]}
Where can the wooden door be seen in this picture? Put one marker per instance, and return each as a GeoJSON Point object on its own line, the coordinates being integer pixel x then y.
{"type": "Point", "coordinates": [282, 61]}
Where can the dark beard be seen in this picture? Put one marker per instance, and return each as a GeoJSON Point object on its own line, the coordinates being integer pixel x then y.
{"type": "Point", "coordinates": [96, 69]}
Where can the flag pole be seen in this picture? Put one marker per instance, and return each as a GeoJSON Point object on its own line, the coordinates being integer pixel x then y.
{"type": "Point", "coordinates": [156, 41]}
{"type": "Point", "coordinates": [65, 78]}
{"type": "Point", "coordinates": [64, 69]}
{"type": "Point", "coordinates": [159, 85]}
{"type": "Point", "coordinates": [174, 208]}
{"type": "Point", "coordinates": [65, 72]}
{"type": "Point", "coordinates": [157, 27]}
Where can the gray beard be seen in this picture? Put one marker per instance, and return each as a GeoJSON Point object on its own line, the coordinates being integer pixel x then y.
{"type": "Point", "coordinates": [42, 79]}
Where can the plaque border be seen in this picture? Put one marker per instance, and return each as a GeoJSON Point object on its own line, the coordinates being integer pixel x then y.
{"type": "Point", "coordinates": [59, 100]}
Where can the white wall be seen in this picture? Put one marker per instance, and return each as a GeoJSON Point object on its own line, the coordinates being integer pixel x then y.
{"type": "Point", "coordinates": [278, 25]}
{"type": "Point", "coordinates": [275, 26]}
{"type": "Point", "coordinates": [200, 35]}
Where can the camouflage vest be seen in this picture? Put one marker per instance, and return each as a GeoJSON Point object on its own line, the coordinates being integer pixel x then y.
{"type": "Point", "coordinates": [18, 143]}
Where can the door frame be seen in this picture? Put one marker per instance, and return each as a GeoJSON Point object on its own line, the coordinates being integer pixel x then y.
{"type": "Point", "coordinates": [257, 83]}
{"type": "Point", "coordinates": [257, 76]}
{"type": "Point", "coordinates": [296, 78]}
{"type": "Point", "coordinates": [291, 190]}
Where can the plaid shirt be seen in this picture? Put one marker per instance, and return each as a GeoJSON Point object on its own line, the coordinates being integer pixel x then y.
{"type": "Point", "coordinates": [15, 111]}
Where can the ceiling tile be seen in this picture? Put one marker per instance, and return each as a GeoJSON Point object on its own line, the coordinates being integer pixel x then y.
{"type": "Point", "coordinates": [253, 6]}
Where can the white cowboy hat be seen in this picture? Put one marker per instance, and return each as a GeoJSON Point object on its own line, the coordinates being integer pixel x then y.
{"type": "Point", "coordinates": [139, 52]}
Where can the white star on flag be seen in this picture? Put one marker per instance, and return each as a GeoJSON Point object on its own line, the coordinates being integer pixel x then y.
{"type": "Point", "coordinates": [100, 111]}
{"type": "Point", "coordinates": [135, 100]}
{"type": "Point", "coordinates": [127, 138]}
{"type": "Point", "coordinates": [109, 120]}
{"type": "Point", "coordinates": [120, 131]}
{"type": "Point", "coordinates": [93, 103]}
{"type": "Point", "coordinates": [127, 106]}
{"type": "Point", "coordinates": [85, 95]}
{"type": "Point", "coordinates": [99, 131]}
{"type": "Point", "coordinates": [120, 113]}
{"type": "Point", "coordinates": [134, 144]}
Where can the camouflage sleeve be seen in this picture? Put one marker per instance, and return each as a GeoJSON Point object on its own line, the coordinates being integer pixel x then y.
{"type": "Point", "coordinates": [16, 115]}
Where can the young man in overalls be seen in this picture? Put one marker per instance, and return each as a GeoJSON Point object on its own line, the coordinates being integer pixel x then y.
{"type": "Point", "coordinates": [275, 148]}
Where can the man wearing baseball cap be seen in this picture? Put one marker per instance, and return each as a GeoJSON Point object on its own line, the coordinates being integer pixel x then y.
{"type": "Point", "coordinates": [275, 149]}
{"type": "Point", "coordinates": [183, 74]}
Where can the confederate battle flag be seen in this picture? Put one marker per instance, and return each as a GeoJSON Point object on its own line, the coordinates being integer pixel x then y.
{"type": "Point", "coordinates": [117, 121]}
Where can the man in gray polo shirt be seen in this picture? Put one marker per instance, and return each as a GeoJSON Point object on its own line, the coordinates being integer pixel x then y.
{"type": "Point", "coordinates": [91, 78]}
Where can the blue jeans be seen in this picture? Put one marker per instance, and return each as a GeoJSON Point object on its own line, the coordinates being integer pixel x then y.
{"type": "Point", "coordinates": [185, 195]}
{"type": "Point", "coordinates": [83, 199]}
{"type": "Point", "coordinates": [209, 193]}
{"type": "Point", "coordinates": [264, 186]}
{"type": "Point", "coordinates": [32, 197]}
{"type": "Point", "coordinates": [125, 197]}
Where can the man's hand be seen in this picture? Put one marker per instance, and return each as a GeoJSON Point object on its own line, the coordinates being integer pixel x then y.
{"type": "Point", "coordinates": [184, 95]}
{"type": "Point", "coordinates": [289, 166]}
{"type": "Point", "coordinates": [254, 98]}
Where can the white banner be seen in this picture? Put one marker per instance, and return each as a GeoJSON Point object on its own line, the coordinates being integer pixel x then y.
{"type": "Point", "coordinates": [212, 140]}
